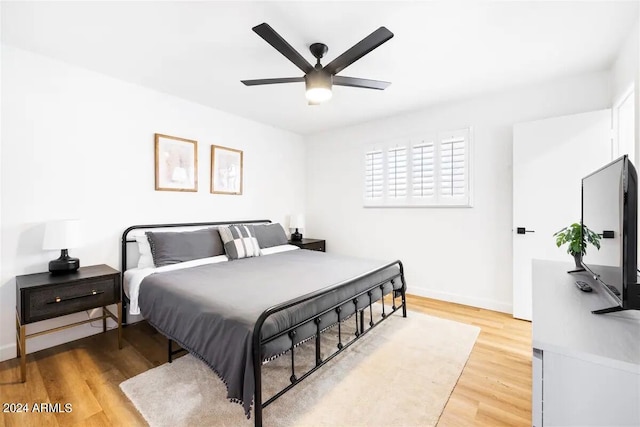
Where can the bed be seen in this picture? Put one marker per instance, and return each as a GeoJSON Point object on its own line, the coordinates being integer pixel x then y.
{"type": "Point", "coordinates": [238, 315]}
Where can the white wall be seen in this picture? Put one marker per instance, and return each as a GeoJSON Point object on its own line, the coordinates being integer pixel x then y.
{"type": "Point", "coordinates": [1, 92]}
{"type": "Point", "coordinates": [624, 70]}
{"type": "Point", "coordinates": [456, 254]}
{"type": "Point", "coordinates": [79, 144]}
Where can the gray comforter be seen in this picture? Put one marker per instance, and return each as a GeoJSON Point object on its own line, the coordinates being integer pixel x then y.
{"type": "Point", "coordinates": [211, 310]}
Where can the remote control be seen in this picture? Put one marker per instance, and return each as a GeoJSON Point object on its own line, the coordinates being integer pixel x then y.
{"type": "Point", "coordinates": [583, 286]}
{"type": "Point", "coordinates": [613, 289]}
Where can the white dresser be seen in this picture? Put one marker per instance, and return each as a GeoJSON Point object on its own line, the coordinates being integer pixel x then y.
{"type": "Point", "coordinates": [586, 367]}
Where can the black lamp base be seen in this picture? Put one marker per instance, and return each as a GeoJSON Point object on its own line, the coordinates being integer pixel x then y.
{"type": "Point", "coordinates": [64, 264]}
{"type": "Point", "coordinates": [297, 236]}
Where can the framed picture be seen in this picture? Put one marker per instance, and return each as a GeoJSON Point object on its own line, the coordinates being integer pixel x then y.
{"type": "Point", "coordinates": [176, 163]}
{"type": "Point", "coordinates": [226, 170]}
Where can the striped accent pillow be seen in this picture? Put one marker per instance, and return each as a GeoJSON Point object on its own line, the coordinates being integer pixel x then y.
{"type": "Point", "coordinates": [239, 241]}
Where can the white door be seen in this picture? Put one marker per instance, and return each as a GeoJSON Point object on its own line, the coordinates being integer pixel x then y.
{"type": "Point", "coordinates": [550, 158]}
{"type": "Point", "coordinates": [624, 125]}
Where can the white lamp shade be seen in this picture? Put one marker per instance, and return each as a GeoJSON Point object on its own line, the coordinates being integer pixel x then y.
{"type": "Point", "coordinates": [62, 234]}
{"type": "Point", "coordinates": [296, 221]}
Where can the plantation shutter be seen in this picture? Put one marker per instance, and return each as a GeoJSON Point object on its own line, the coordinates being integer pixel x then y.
{"type": "Point", "coordinates": [373, 183]}
{"type": "Point", "coordinates": [397, 173]}
{"type": "Point", "coordinates": [453, 166]}
{"type": "Point", "coordinates": [433, 169]}
{"type": "Point", "coordinates": [423, 170]}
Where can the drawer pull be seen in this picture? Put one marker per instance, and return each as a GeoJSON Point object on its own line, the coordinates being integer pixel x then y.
{"type": "Point", "coordinates": [93, 292]}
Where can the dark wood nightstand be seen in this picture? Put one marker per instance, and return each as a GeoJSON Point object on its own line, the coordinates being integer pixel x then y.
{"type": "Point", "coordinates": [311, 244]}
{"type": "Point", "coordinates": [44, 296]}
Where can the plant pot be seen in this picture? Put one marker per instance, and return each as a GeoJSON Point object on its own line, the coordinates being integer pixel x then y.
{"type": "Point", "coordinates": [578, 259]}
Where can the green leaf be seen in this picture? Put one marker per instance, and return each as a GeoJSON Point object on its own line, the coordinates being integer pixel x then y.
{"type": "Point", "coordinates": [577, 236]}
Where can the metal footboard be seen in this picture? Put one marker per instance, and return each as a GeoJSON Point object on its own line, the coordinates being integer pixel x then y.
{"type": "Point", "coordinates": [258, 342]}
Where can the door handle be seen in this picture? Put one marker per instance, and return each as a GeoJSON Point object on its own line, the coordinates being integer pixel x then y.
{"type": "Point", "coordinates": [522, 230]}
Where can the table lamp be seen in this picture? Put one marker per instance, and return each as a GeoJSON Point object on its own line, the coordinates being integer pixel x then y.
{"type": "Point", "coordinates": [62, 234]}
{"type": "Point", "coordinates": [296, 221]}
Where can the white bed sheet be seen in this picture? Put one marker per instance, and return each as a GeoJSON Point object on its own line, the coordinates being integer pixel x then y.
{"type": "Point", "coordinates": [278, 249]}
{"type": "Point", "coordinates": [133, 277]}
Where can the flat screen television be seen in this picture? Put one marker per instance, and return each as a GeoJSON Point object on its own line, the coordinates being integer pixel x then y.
{"type": "Point", "coordinates": [610, 209]}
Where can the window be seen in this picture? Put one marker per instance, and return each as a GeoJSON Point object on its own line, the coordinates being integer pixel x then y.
{"type": "Point", "coordinates": [452, 167]}
{"type": "Point", "coordinates": [397, 173]}
{"type": "Point", "coordinates": [423, 163]}
{"type": "Point", "coordinates": [373, 175]}
{"type": "Point", "coordinates": [429, 171]}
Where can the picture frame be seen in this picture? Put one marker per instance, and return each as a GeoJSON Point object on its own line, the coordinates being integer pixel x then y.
{"type": "Point", "coordinates": [176, 163]}
{"type": "Point", "coordinates": [226, 170]}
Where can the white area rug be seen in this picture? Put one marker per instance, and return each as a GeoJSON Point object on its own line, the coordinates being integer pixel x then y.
{"type": "Point", "coordinates": [400, 374]}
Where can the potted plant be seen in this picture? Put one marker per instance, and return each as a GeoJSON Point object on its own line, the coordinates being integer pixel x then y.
{"type": "Point", "coordinates": [577, 237]}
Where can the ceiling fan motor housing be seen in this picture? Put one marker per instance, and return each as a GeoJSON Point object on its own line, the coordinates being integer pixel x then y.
{"type": "Point", "coordinates": [317, 79]}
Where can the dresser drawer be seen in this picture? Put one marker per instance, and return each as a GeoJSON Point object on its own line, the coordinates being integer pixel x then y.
{"type": "Point", "coordinates": [66, 298]}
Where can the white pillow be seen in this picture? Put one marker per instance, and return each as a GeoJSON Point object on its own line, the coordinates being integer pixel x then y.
{"type": "Point", "coordinates": [278, 249]}
{"type": "Point", "coordinates": [144, 249]}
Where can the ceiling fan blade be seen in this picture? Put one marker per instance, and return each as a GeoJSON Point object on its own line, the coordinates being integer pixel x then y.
{"type": "Point", "coordinates": [359, 50]}
{"type": "Point", "coordinates": [274, 39]}
{"type": "Point", "coordinates": [272, 81]}
{"type": "Point", "coordinates": [363, 83]}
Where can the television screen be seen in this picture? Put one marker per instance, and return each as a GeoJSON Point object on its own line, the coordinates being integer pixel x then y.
{"type": "Point", "coordinates": [610, 209]}
{"type": "Point", "coordinates": [602, 204]}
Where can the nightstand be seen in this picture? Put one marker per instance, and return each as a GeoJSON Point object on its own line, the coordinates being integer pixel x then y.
{"type": "Point", "coordinates": [44, 296]}
{"type": "Point", "coordinates": [311, 244]}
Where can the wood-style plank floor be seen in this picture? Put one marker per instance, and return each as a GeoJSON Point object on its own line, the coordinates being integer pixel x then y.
{"type": "Point", "coordinates": [494, 389]}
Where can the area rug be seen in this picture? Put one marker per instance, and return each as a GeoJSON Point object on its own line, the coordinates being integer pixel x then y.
{"type": "Point", "coordinates": [400, 374]}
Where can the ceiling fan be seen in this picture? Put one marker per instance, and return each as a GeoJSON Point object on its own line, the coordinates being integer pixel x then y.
{"type": "Point", "coordinates": [318, 79]}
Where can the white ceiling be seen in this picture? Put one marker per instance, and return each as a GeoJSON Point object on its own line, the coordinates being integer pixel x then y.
{"type": "Point", "coordinates": [441, 50]}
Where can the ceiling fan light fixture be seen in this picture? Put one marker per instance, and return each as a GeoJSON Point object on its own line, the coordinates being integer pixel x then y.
{"type": "Point", "coordinates": [318, 86]}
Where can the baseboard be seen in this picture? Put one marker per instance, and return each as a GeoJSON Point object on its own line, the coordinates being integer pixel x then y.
{"type": "Point", "coordinates": [7, 352]}
{"type": "Point", "coordinates": [461, 299]}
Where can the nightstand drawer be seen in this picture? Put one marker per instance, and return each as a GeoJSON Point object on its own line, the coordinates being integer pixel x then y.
{"type": "Point", "coordinates": [317, 246]}
{"type": "Point", "coordinates": [52, 301]}
{"type": "Point", "coordinates": [310, 244]}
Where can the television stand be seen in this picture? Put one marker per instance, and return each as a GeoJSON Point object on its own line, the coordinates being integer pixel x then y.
{"type": "Point", "coordinates": [586, 368]}
{"type": "Point", "coordinates": [608, 310]}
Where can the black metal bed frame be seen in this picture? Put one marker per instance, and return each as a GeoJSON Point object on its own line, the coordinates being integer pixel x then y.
{"type": "Point", "coordinates": [258, 341]}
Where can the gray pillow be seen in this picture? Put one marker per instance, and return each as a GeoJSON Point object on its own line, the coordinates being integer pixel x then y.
{"type": "Point", "coordinates": [269, 235]}
{"type": "Point", "coordinates": [174, 247]}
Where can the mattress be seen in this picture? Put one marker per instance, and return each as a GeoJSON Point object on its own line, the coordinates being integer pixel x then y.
{"type": "Point", "coordinates": [133, 277]}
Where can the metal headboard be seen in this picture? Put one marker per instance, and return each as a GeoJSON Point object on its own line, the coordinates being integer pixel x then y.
{"type": "Point", "coordinates": [126, 240]}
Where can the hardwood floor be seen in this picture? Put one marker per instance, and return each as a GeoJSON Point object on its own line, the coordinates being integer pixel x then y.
{"type": "Point", "coordinates": [495, 386]}
{"type": "Point", "coordinates": [494, 389]}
